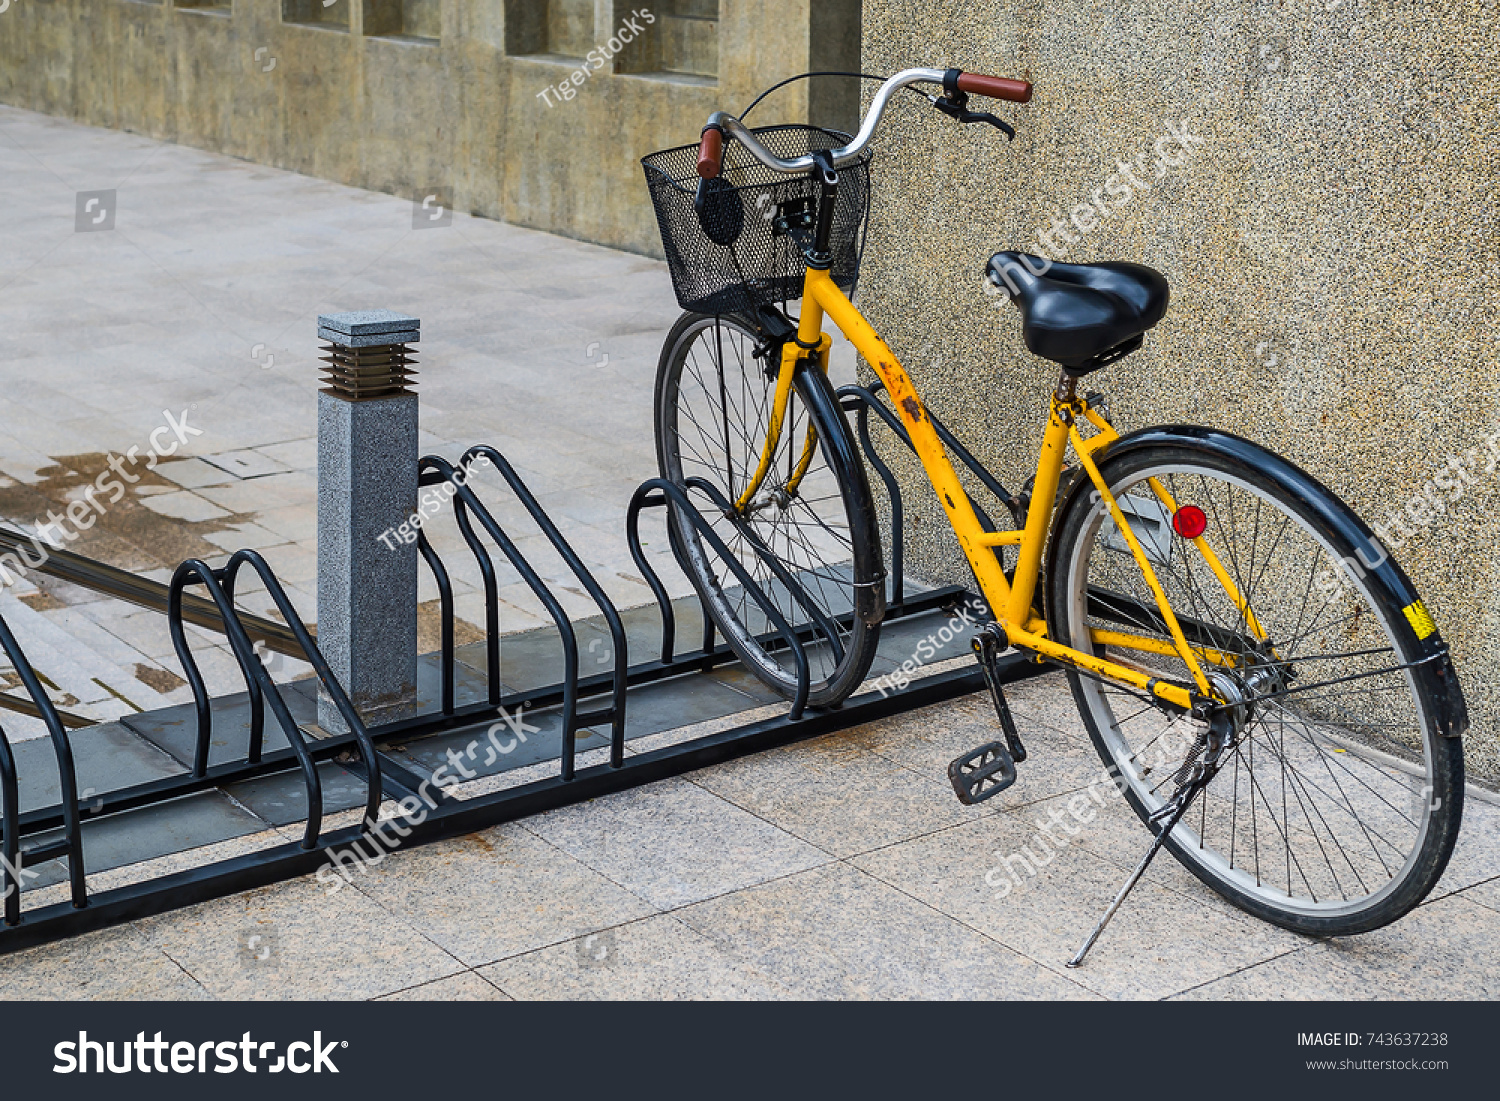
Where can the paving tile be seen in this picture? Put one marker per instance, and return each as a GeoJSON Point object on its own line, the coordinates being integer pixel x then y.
{"type": "Point", "coordinates": [835, 932]}
{"type": "Point", "coordinates": [1485, 894]}
{"type": "Point", "coordinates": [1476, 856]}
{"type": "Point", "coordinates": [928, 739]}
{"type": "Point", "coordinates": [184, 506]}
{"type": "Point", "coordinates": [657, 959]}
{"type": "Point", "coordinates": [282, 799]}
{"type": "Point", "coordinates": [497, 893]}
{"type": "Point", "coordinates": [1305, 974]}
{"type": "Point", "coordinates": [739, 678]}
{"type": "Point", "coordinates": [477, 753]}
{"type": "Point", "coordinates": [1160, 943]}
{"type": "Point", "coordinates": [106, 758]}
{"type": "Point", "coordinates": [241, 536]}
{"type": "Point", "coordinates": [150, 832]}
{"type": "Point", "coordinates": [196, 857]}
{"type": "Point", "coordinates": [175, 729]}
{"type": "Point", "coordinates": [258, 495]}
{"type": "Point", "coordinates": [193, 473]}
{"type": "Point", "coordinates": [246, 464]}
{"type": "Point", "coordinates": [922, 640]}
{"type": "Point", "coordinates": [643, 630]}
{"type": "Point", "coordinates": [837, 795]}
{"type": "Point", "coordinates": [144, 631]}
{"type": "Point", "coordinates": [312, 945]}
{"type": "Point", "coordinates": [68, 661]}
{"type": "Point", "coordinates": [118, 964]}
{"type": "Point", "coordinates": [1447, 950]}
{"type": "Point", "coordinates": [293, 454]}
{"type": "Point", "coordinates": [467, 987]}
{"type": "Point", "coordinates": [534, 659]}
{"type": "Point", "coordinates": [1048, 701]}
{"type": "Point", "coordinates": [469, 685]}
{"type": "Point", "coordinates": [672, 843]}
{"type": "Point", "coordinates": [669, 704]}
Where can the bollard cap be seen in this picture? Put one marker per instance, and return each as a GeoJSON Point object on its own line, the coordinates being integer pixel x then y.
{"type": "Point", "coordinates": [369, 328]}
{"type": "Point", "coordinates": [367, 355]}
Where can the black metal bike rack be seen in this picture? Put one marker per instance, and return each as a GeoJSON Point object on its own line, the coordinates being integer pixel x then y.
{"type": "Point", "coordinates": [585, 701]}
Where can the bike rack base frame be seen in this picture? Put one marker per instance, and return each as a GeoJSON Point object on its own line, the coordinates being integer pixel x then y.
{"type": "Point", "coordinates": [425, 815]}
{"type": "Point", "coordinates": [458, 817]}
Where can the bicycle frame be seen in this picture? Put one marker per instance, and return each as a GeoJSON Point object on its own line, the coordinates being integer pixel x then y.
{"type": "Point", "coordinates": [1012, 604]}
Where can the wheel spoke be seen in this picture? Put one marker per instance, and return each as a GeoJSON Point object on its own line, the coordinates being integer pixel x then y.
{"type": "Point", "coordinates": [716, 416]}
{"type": "Point", "coordinates": [1302, 817]}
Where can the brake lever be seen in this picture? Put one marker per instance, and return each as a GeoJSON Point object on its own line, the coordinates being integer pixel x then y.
{"type": "Point", "coordinates": [957, 106]}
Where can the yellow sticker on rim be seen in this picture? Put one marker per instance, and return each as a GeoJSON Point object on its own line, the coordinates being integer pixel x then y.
{"type": "Point", "coordinates": [1420, 619]}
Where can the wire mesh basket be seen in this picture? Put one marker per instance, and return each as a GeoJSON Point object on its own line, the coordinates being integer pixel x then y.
{"type": "Point", "coordinates": [727, 253]}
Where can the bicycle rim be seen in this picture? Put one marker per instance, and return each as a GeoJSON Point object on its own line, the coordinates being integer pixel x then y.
{"type": "Point", "coordinates": [714, 408]}
{"type": "Point", "coordinates": [1333, 810]}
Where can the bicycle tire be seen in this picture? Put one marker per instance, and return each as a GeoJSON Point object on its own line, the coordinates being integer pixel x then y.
{"type": "Point", "coordinates": [1340, 767]}
{"type": "Point", "coordinates": [850, 589]}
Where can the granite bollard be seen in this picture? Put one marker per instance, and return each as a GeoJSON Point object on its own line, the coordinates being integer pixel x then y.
{"type": "Point", "coordinates": [367, 485]}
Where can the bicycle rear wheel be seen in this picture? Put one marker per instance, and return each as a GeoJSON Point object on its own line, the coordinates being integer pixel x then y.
{"type": "Point", "coordinates": [1340, 801]}
{"type": "Point", "coordinates": [713, 407]}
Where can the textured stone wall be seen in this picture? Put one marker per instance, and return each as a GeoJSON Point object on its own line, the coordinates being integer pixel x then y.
{"type": "Point", "coordinates": [370, 97]}
{"type": "Point", "coordinates": [1332, 248]}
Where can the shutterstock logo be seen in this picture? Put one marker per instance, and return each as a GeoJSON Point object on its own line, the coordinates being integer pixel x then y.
{"type": "Point", "coordinates": [144, 1056]}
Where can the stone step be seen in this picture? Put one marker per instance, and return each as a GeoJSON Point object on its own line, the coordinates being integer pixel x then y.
{"type": "Point", "coordinates": [80, 659]}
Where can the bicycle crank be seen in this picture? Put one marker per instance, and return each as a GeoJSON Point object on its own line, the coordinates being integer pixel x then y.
{"type": "Point", "coordinates": [989, 769]}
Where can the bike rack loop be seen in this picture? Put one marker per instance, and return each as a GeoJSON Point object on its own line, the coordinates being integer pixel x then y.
{"type": "Point", "coordinates": [465, 502]}
{"type": "Point", "coordinates": [258, 682]}
{"type": "Point", "coordinates": [674, 495]}
{"type": "Point", "coordinates": [220, 585]}
{"type": "Point", "coordinates": [67, 778]}
{"type": "Point", "coordinates": [11, 823]}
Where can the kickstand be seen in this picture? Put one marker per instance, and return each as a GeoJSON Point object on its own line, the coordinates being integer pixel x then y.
{"type": "Point", "coordinates": [1135, 877]}
{"type": "Point", "coordinates": [1200, 767]}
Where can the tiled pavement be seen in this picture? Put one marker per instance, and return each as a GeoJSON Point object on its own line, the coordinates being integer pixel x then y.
{"type": "Point", "coordinates": [203, 299]}
{"type": "Point", "coordinates": [838, 868]}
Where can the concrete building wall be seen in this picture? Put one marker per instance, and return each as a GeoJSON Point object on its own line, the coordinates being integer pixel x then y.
{"type": "Point", "coordinates": [1332, 247]}
{"type": "Point", "coordinates": [412, 96]}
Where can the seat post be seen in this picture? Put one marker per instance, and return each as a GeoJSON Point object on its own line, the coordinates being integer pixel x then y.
{"type": "Point", "coordinates": [1067, 388]}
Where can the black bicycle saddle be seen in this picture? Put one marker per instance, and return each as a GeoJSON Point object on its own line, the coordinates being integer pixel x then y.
{"type": "Point", "coordinates": [1081, 316]}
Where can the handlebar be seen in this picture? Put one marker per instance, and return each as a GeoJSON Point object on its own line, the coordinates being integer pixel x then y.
{"type": "Point", "coordinates": [711, 152]}
{"type": "Point", "coordinates": [996, 87]}
{"type": "Point", "coordinates": [720, 124]}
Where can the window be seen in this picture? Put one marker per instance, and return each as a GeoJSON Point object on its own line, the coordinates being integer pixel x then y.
{"type": "Point", "coordinates": [317, 13]}
{"type": "Point", "coordinates": [683, 42]}
{"type": "Point", "coordinates": [561, 28]}
{"type": "Point", "coordinates": [413, 19]}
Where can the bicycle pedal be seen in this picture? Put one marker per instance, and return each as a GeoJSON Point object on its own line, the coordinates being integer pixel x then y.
{"type": "Point", "coordinates": [982, 773]}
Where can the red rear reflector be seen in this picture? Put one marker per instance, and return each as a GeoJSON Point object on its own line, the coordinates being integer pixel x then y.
{"type": "Point", "coordinates": [1189, 522]}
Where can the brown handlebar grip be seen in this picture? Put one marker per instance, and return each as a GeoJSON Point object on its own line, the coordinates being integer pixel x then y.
{"type": "Point", "coordinates": [711, 153]}
{"type": "Point", "coordinates": [996, 87]}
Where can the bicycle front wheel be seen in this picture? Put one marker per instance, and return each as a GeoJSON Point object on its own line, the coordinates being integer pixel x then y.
{"type": "Point", "coordinates": [1337, 807]}
{"type": "Point", "coordinates": [808, 537]}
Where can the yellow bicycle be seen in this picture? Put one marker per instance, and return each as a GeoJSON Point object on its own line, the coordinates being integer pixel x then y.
{"type": "Point", "coordinates": [1264, 683]}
